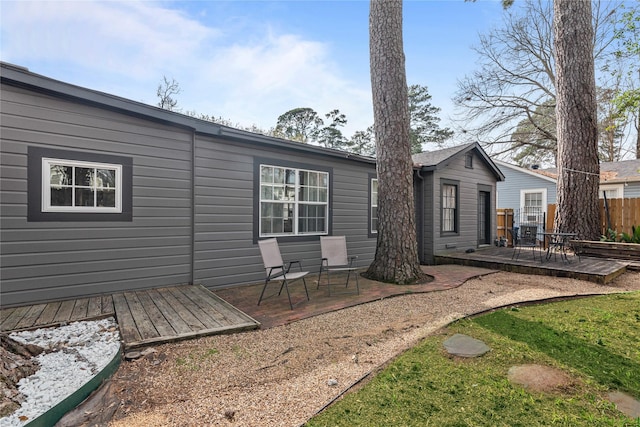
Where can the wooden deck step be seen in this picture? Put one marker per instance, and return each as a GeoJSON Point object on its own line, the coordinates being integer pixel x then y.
{"type": "Point", "coordinates": [170, 314]}
{"type": "Point", "coordinates": [55, 313]}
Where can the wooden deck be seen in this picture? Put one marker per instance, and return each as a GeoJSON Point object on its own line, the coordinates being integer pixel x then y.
{"type": "Point", "coordinates": [170, 314]}
{"type": "Point", "coordinates": [55, 313]}
{"type": "Point", "coordinates": [598, 270]}
{"type": "Point", "coordinates": [145, 317]}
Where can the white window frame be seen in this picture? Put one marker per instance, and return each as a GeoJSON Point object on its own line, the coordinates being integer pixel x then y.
{"type": "Point", "coordinates": [608, 187]}
{"type": "Point", "coordinates": [450, 222]}
{"type": "Point", "coordinates": [374, 204]}
{"type": "Point", "coordinates": [296, 202]}
{"type": "Point", "coordinates": [46, 186]}
{"type": "Point", "coordinates": [534, 190]}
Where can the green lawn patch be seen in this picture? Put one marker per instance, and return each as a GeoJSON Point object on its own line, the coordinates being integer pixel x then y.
{"type": "Point", "coordinates": [595, 340]}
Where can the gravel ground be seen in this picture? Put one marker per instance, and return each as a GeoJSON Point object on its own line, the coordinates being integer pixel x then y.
{"type": "Point", "coordinates": [284, 375]}
{"type": "Point", "coordinates": [73, 355]}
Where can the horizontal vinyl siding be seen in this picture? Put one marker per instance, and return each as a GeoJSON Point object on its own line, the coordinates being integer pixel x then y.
{"type": "Point", "coordinates": [41, 261]}
{"type": "Point", "coordinates": [468, 181]}
{"type": "Point", "coordinates": [515, 181]}
{"type": "Point", "coordinates": [225, 254]}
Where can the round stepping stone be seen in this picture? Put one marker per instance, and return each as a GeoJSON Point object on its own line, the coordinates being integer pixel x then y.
{"type": "Point", "coordinates": [626, 404]}
{"type": "Point", "coordinates": [465, 346]}
{"type": "Point", "coordinates": [539, 378]}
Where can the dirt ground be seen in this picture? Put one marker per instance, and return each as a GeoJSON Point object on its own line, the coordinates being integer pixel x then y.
{"type": "Point", "coordinates": [284, 375]}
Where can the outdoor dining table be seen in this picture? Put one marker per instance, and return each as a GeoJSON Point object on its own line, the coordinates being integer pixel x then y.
{"type": "Point", "coordinates": [557, 242]}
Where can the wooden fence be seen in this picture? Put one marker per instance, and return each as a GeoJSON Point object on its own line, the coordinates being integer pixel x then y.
{"type": "Point", "coordinates": [504, 222]}
{"type": "Point", "coordinates": [619, 215]}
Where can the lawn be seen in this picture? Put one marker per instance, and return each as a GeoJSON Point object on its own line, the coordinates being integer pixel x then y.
{"type": "Point", "coordinates": [596, 341]}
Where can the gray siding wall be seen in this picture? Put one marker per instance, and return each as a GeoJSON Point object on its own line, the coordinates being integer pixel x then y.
{"type": "Point", "coordinates": [468, 181]}
{"type": "Point", "coordinates": [53, 260]}
{"type": "Point", "coordinates": [509, 190]}
{"type": "Point", "coordinates": [225, 252]}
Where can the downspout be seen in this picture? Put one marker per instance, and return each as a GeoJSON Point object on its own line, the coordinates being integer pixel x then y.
{"type": "Point", "coordinates": [420, 214]}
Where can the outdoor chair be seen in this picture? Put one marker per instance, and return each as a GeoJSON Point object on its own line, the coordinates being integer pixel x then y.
{"type": "Point", "coordinates": [525, 237]}
{"type": "Point", "coordinates": [335, 259]}
{"type": "Point", "coordinates": [277, 270]}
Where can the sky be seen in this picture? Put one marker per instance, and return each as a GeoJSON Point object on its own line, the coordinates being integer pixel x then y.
{"type": "Point", "coordinates": [245, 61]}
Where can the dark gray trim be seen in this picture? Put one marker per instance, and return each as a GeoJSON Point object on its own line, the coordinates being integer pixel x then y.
{"type": "Point", "coordinates": [483, 188]}
{"type": "Point", "coordinates": [418, 191]}
{"type": "Point", "coordinates": [257, 161]}
{"type": "Point", "coordinates": [444, 181]}
{"type": "Point", "coordinates": [22, 78]}
{"type": "Point", "coordinates": [34, 186]}
{"type": "Point", "coordinates": [369, 233]}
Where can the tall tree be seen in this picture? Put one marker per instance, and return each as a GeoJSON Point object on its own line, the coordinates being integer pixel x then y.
{"type": "Point", "coordinates": [611, 125]}
{"type": "Point", "coordinates": [516, 79]}
{"type": "Point", "coordinates": [424, 120]}
{"type": "Point", "coordinates": [298, 124]}
{"type": "Point", "coordinates": [628, 52]}
{"type": "Point", "coordinates": [330, 136]}
{"type": "Point", "coordinates": [396, 258]}
{"type": "Point", "coordinates": [534, 140]}
{"type": "Point", "coordinates": [166, 91]}
{"type": "Point", "coordinates": [362, 142]}
{"type": "Point", "coordinates": [578, 167]}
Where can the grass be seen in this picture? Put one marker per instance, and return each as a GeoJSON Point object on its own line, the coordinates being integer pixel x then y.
{"type": "Point", "coordinates": [594, 340]}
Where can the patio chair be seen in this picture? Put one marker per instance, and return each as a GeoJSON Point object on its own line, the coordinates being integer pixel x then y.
{"type": "Point", "coordinates": [524, 237]}
{"type": "Point", "coordinates": [335, 258]}
{"type": "Point", "coordinates": [277, 270]}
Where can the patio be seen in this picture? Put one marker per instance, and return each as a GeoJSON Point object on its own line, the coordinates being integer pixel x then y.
{"type": "Point", "coordinates": [169, 314]}
{"type": "Point", "coordinates": [598, 270]}
{"type": "Point", "coordinates": [156, 316]}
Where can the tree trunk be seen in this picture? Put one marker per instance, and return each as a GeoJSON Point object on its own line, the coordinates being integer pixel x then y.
{"type": "Point", "coordinates": [396, 258]}
{"type": "Point", "coordinates": [16, 362]}
{"type": "Point", "coordinates": [579, 171]}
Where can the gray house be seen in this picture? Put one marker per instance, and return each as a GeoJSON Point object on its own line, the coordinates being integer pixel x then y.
{"type": "Point", "coordinates": [455, 199]}
{"type": "Point", "coordinates": [102, 194]}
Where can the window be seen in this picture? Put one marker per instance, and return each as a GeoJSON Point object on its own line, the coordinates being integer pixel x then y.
{"type": "Point", "coordinates": [64, 185]}
{"type": "Point", "coordinates": [611, 191]}
{"type": "Point", "coordinates": [449, 207]}
{"type": "Point", "coordinates": [468, 161]}
{"type": "Point", "coordinates": [76, 186]}
{"type": "Point", "coordinates": [293, 201]}
{"type": "Point", "coordinates": [533, 200]}
{"type": "Point", "coordinates": [373, 213]}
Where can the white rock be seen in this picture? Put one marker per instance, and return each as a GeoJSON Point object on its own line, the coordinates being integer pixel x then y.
{"type": "Point", "coordinates": [83, 349]}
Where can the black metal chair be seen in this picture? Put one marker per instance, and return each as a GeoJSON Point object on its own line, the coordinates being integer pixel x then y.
{"type": "Point", "coordinates": [525, 236]}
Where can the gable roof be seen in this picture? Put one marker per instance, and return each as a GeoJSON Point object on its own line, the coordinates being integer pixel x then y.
{"type": "Point", "coordinates": [610, 172]}
{"type": "Point", "coordinates": [21, 77]}
{"type": "Point", "coordinates": [438, 159]}
{"type": "Point", "coordinates": [532, 172]}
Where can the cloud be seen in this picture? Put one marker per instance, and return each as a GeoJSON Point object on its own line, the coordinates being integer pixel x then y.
{"type": "Point", "coordinates": [238, 68]}
{"type": "Point", "coordinates": [127, 38]}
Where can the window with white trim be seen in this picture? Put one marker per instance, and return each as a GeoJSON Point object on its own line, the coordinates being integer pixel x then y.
{"type": "Point", "coordinates": [293, 201]}
{"type": "Point", "coordinates": [615, 191]}
{"type": "Point", "coordinates": [79, 186]}
{"type": "Point", "coordinates": [533, 200]}
{"type": "Point", "coordinates": [374, 206]}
